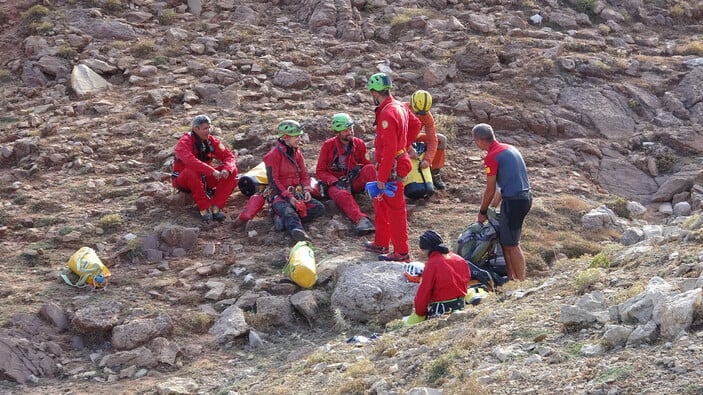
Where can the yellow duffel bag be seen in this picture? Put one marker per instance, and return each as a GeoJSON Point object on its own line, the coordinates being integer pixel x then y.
{"type": "Point", "coordinates": [254, 181]}
{"type": "Point", "coordinates": [301, 266]}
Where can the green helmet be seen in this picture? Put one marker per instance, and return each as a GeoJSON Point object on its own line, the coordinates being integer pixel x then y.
{"type": "Point", "coordinates": [379, 82]}
{"type": "Point", "coordinates": [289, 128]}
{"type": "Point", "coordinates": [341, 122]}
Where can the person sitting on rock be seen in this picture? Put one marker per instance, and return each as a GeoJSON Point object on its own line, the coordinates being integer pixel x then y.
{"type": "Point", "coordinates": [344, 167]}
{"type": "Point", "coordinates": [444, 280]}
{"type": "Point", "coordinates": [420, 104]}
{"type": "Point", "coordinates": [193, 169]}
{"type": "Point", "coordinates": [289, 183]}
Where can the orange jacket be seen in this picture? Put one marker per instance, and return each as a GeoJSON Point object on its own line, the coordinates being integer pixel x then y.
{"type": "Point", "coordinates": [430, 130]}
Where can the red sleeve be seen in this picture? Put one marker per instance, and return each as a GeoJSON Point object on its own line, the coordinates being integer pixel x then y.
{"type": "Point", "coordinates": [304, 176]}
{"type": "Point", "coordinates": [224, 155]}
{"type": "Point", "coordinates": [360, 152]}
{"type": "Point", "coordinates": [323, 161]}
{"type": "Point", "coordinates": [272, 160]}
{"type": "Point", "coordinates": [424, 291]}
{"type": "Point", "coordinates": [387, 132]}
{"type": "Point", "coordinates": [184, 152]}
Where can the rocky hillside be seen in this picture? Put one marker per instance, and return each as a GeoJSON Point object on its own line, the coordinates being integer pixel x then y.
{"type": "Point", "coordinates": [602, 98]}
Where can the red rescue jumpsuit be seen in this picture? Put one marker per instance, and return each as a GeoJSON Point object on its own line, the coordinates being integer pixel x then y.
{"type": "Point", "coordinates": [394, 124]}
{"type": "Point", "coordinates": [193, 163]}
{"type": "Point", "coordinates": [445, 277]}
{"type": "Point", "coordinates": [285, 168]}
{"type": "Point", "coordinates": [338, 160]}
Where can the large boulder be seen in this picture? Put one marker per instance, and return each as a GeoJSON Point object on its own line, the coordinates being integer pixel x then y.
{"type": "Point", "coordinates": [374, 291]}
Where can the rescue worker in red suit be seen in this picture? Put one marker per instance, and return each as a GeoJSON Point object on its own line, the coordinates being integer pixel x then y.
{"type": "Point", "coordinates": [420, 104]}
{"type": "Point", "coordinates": [394, 123]}
{"type": "Point", "coordinates": [193, 170]}
{"type": "Point", "coordinates": [344, 167]}
{"type": "Point", "coordinates": [289, 183]}
{"type": "Point", "coordinates": [444, 280]}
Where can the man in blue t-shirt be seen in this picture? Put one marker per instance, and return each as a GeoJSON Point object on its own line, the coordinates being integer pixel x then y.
{"type": "Point", "coordinates": [506, 179]}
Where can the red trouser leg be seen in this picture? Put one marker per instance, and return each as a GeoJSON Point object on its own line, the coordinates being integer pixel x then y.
{"type": "Point", "coordinates": [223, 188]}
{"type": "Point", "coordinates": [191, 181]}
{"type": "Point", "coordinates": [345, 201]}
{"type": "Point", "coordinates": [392, 221]}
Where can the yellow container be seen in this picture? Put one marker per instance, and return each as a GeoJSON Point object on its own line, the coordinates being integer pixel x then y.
{"type": "Point", "coordinates": [301, 267]}
{"type": "Point", "coordinates": [90, 270]}
{"type": "Point", "coordinates": [253, 181]}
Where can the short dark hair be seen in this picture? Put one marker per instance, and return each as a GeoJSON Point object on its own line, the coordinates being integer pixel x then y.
{"type": "Point", "coordinates": [483, 131]}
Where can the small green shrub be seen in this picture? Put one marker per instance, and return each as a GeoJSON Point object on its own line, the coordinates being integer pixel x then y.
{"type": "Point", "coordinates": [676, 11]}
{"type": "Point", "coordinates": [586, 279]}
{"type": "Point", "coordinates": [692, 48]}
{"type": "Point", "coordinates": [113, 5]}
{"type": "Point", "coordinates": [585, 6]}
{"type": "Point", "coordinates": [440, 368]}
{"type": "Point", "coordinates": [633, 103]}
{"type": "Point", "coordinates": [5, 76]}
{"type": "Point", "coordinates": [66, 51]}
{"type": "Point", "coordinates": [619, 207]}
{"type": "Point", "coordinates": [601, 260]}
{"type": "Point", "coordinates": [167, 16]}
{"type": "Point", "coordinates": [110, 221]}
{"type": "Point", "coordinates": [160, 59]}
{"type": "Point", "coordinates": [666, 162]}
{"type": "Point", "coordinates": [43, 27]}
{"type": "Point", "coordinates": [36, 12]}
{"type": "Point", "coordinates": [143, 48]}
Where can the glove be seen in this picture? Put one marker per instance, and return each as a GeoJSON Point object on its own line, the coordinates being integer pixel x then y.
{"type": "Point", "coordinates": [372, 189]}
{"type": "Point", "coordinates": [301, 208]}
{"type": "Point", "coordinates": [390, 189]}
{"type": "Point", "coordinates": [342, 183]}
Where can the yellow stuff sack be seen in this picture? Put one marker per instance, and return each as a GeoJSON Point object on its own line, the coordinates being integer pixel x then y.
{"type": "Point", "coordinates": [301, 266]}
{"type": "Point", "coordinates": [254, 181]}
{"type": "Point", "coordinates": [90, 270]}
{"type": "Point", "coordinates": [418, 183]}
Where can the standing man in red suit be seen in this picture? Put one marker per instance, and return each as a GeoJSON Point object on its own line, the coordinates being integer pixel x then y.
{"type": "Point", "coordinates": [394, 123]}
{"type": "Point", "coordinates": [194, 171]}
{"type": "Point", "coordinates": [344, 167]}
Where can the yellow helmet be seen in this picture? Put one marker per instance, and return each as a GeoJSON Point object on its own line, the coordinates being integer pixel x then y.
{"type": "Point", "coordinates": [421, 102]}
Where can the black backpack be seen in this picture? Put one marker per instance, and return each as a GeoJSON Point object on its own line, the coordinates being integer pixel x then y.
{"type": "Point", "coordinates": [479, 246]}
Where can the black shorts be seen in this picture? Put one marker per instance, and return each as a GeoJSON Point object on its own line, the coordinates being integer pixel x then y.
{"type": "Point", "coordinates": [513, 211]}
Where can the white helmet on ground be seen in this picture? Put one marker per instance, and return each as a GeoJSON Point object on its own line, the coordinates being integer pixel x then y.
{"type": "Point", "coordinates": [413, 271]}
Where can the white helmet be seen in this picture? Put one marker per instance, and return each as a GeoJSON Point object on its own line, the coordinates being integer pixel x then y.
{"type": "Point", "coordinates": [413, 271]}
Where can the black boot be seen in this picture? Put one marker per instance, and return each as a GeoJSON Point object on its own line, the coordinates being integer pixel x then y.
{"type": "Point", "coordinates": [364, 227]}
{"type": "Point", "coordinates": [437, 180]}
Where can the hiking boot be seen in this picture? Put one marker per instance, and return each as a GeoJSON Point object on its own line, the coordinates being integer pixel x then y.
{"type": "Point", "coordinates": [217, 214]}
{"type": "Point", "coordinates": [364, 227]}
{"type": "Point", "coordinates": [299, 235]}
{"type": "Point", "coordinates": [394, 257]}
{"type": "Point", "coordinates": [206, 215]}
{"type": "Point", "coordinates": [371, 247]}
{"type": "Point", "coordinates": [437, 180]}
{"type": "Point", "coordinates": [278, 222]}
